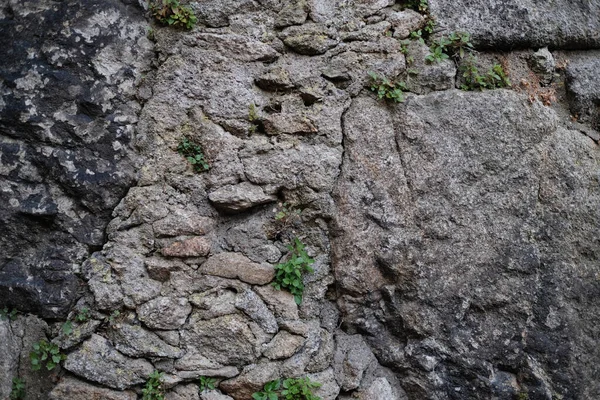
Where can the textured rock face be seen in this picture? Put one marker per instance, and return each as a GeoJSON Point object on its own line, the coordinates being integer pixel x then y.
{"type": "Point", "coordinates": [455, 236]}
{"type": "Point", "coordinates": [67, 117]}
{"type": "Point", "coordinates": [461, 251]}
{"type": "Point", "coordinates": [573, 23]}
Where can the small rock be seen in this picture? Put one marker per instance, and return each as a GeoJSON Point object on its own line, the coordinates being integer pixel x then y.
{"type": "Point", "coordinates": [214, 303]}
{"type": "Point", "coordinates": [96, 360]}
{"type": "Point", "coordinates": [352, 358]}
{"type": "Point", "coordinates": [283, 345]}
{"type": "Point", "coordinates": [194, 247]}
{"type": "Point", "coordinates": [308, 39]}
{"type": "Point", "coordinates": [183, 392]}
{"type": "Point", "coordinates": [81, 331]}
{"type": "Point", "coordinates": [135, 341]}
{"type": "Point", "coordinates": [160, 269]}
{"type": "Point", "coordinates": [276, 79]}
{"type": "Point", "coordinates": [542, 63]}
{"type": "Point", "coordinates": [252, 379]}
{"type": "Point", "coordinates": [214, 395]}
{"type": "Point", "coordinates": [238, 266]}
{"type": "Point", "coordinates": [74, 389]}
{"type": "Point", "coordinates": [329, 389]}
{"type": "Point", "coordinates": [379, 389]}
{"type": "Point", "coordinates": [164, 313]}
{"type": "Point", "coordinates": [404, 22]}
{"type": "Point", "coordinates": [254, 307]}
{"type": "Point", "coordinates": [288, 123]}
{"type": "Point", "coordinates": [181, 223]}
{"type": "Point", "coordinates": [424, 77]}
{"type": "Point", "coordinates": [280, 302]}
{"type": "Point", "coordinates": [227, 340]}
{"type": "Point", "coordinates": [294, 12]}
{"type": "Point", "coordinates": [240, 197]}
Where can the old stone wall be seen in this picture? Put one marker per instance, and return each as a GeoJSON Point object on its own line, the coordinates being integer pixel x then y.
{"type": "Point", "coordinates": [455, 235]}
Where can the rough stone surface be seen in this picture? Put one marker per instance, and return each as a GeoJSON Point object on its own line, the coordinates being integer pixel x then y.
{"type": "Point", "coordinates": [459, 184]}
{"type": "Point", "coordinates": [164, 312]}
{"type": "Point", "coordinates": [98, 361]}
{"type": "Point", "coordinates": [10, 358]}
{"type": "Point", "coordinates": [74, 389]}
{"type": "Point", "coordinates": [584, 87]}
{"type": "Point", "coordinates": [240, 197]}
{"type": "Point", "coordinates": [235, 265]}
{"type": "Point", "coordinates": [67, 116]}
{"type": "Point", "coordinates": [523, 23]}
{"type": "Point", "coordinates": [252, 379]}
{"type": "Point", "coordinates": [135, 341]}
{"type": "Point", "coordinates": [455, 235]}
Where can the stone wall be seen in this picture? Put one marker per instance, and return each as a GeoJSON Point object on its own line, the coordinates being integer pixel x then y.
{"type": "Point", "coordinates": [455, 235]}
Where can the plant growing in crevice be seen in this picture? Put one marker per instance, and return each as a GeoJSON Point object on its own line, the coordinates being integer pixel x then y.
{"type": "Point", "coordinates": [170, 12]}
{"type": "Point", "coordinates": [18, 389]}
{"type": "Point", "coordinates": [207, 383]}
{"type": "Point", "coordinates": [289, 274]}
{"type": "Point", "coordinates": [49, 353]}
{"type": "Point", "coordinates": [456, 45]}
{"type": "Point", "coordinates": [193, 153]}
{"type": "Point", "coordinates": [253, 118]}
{"type": "Point", "coordinates": [417, 5]}
{"type": "Point", "coordinates": [6, 314]}
{"type": "Point", "coordinates": [154, 389]}
{"type": "Point", "coordinates": [288, 389]}
{"type": "Point", "coordinates": [495, 78]}
{"type": "Point", "coordinates": [386, 89]}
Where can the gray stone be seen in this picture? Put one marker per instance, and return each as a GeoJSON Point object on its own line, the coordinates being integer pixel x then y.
{"type": "Point", "coordinates": [275, 79]}
{"type": "Point", "coordinates": [214, 303]}
{"type": "Point", "coordinates": [228, 340]}
{"type": "Point", "coordinates": [583, 86]}
{"type": "Point", "coordinates": [96, 360]}
{"type": "Point", "coordinates": [283, 345]}
{"type": "Point", "coordinates": [294, 12]}
{"type": "Point", "coordinates": [252, 379]}
{"type": "Point", "coordinates": [194, 365]}
{"type": "Point", "coordinates": [214, 395]}
{"type": "Point", "coordinates": [236, 265]}
{"type": "Point", "coordinates": [424, 77]}
{"type": "Point", "coordinates": [194, 247]}
{"type": "Point", "coordinates": [276, 124]}
{"type": "Point", "coordinates": [164, 312]}
{"type": "Point", "coordinates": [379, 389]}
{"type": "Point", "coordinates": [80, 332]}
{"type": "Point", "coordinates": [182, 223]}
{"type": "Point", "coordinates": [352, 358]}
{"type": "Point", "coordinates": [329, 389]}
{"type": "Point", "coordinates": [526, 23]}
{"type": "Point", "coordinates": [280, 302]}
{"type": "Point", "coordinates": [135, 341]}
{"type": "Point", "coordinates": [309, 39]}
{"type": "Point", "coordinates": [253, 306]}
{"type": "Point", "coordinates": [74, 389]}
{"type": "Point", "coordinates": [404, 22]}
{"type": "Point", "coordinates": [9, 361]}
{"type": "Point", "coordinates": [183, 392]}
{"type": "Point", "coordinates": [542, 63]}
{"type": "Point", "coordinates": [240, 197]}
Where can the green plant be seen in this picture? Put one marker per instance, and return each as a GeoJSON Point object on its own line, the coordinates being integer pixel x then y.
{"type": "Point", "coordinates": [418, 35]}
{"type": "Point", "coordinates": [83, 315]}
{"type": "Point", "coordinates": [45, 351]}
{"type": "Point", "coordinates": [455, 45]}
{"type": "Point", "coordinates": [207, 383]}
{"type": "Point", "coordinates": [289, 389]}
{"type": "Point", "coordinates": [170, 12]}
{"type": "Point", "coordinates": [495, 78]}
{"type": "Point", "coordinates": [18, 389]}
{"type": "Point", "coordinates": [386, 89]}
{"type": "Point", "coordinates": [417, 5]}
{"type": "Point", "coordinates": [153, 389]}
{"type": "Point", "coordinates": [6, 314]}
{"type": "Point", "coordinates": [288, 275]}
{"type": "Point", "coordinates": [113, 316]}
{"type": "Point", "coordinates": [67, 328]}
{"type": "Point", "coordinates": [269, 391]}
{"type": "Point", "coordinates": [193, 153]}
{"type": "Point", "coordinates": [299, 389]}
